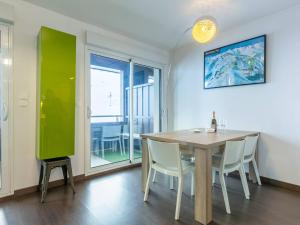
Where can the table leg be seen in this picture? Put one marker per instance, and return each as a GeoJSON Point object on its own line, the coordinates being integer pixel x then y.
{"type": "Point", "coordinates": [145, 163]}
{"type": "Point", "coordinates": [203, 189]}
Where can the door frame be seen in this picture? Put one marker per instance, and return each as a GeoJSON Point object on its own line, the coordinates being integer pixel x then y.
{"type": "Point", "coordinates": [7, 153]}
{"type": "Point", "coordinates": [131, 60]}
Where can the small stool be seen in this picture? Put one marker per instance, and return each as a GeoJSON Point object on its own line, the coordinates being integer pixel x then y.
{"type": "Point", "coordinates": [46, 167]}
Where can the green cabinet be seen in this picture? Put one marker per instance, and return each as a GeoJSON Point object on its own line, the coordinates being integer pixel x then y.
{"type": "Point", "coordinates": [56, 82]}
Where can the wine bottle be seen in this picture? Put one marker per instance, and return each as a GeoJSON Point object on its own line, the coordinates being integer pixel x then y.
{"type": "Point", "coordinates": [214, 121]}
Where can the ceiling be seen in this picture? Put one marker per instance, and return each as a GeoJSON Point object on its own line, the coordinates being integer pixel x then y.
{"type": "Point", "coordinates": [162, 22]}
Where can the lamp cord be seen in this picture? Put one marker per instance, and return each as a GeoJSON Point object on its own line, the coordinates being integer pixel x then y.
{"type": "Point", "coordinates": [169, 71]}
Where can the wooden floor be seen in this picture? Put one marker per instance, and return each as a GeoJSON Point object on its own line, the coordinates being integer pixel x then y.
{"type": "Point", "coordinates": [117, 200]}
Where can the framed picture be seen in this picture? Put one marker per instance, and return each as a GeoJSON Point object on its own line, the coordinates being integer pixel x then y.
{"type": "Point", "coordinates": [242, 63]}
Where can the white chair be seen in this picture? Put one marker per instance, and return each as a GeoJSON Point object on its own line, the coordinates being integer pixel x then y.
{"type": "Point", "coordinates": [125, 136]}
{"type": "Point", "coordinates": [96, 137]}
{"type": "Point", "coordinates": [166, 158]}
{"type": "Point", "coordinates": [249, 154]}
{"type": "Point", "coordinates": [185, 157]}
{"type": "Point", "coordinates": [111, 134]}
{"type": "Point", "coordinates": [231, 160]}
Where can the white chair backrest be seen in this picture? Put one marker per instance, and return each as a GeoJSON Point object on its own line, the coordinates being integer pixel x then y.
{"type": "Point", "coordinates": [138, 128]}
{"type": "Point", "coordinates": [250, 145]}
{"type": "Point", "coordinates": [126, 129]}
{"type": "Point", "coordinates": [111, 131]}
{"type": "Point", "coordinates": [233, 153]}
{"type": "Point", "coordinates": [165, 154]}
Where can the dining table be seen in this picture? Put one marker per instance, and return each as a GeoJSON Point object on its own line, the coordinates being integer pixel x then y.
{"type": "Point", "coordinates": [202, 144]}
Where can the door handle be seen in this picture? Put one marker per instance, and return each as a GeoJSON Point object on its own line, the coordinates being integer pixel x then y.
{"type": "Point", "coordinates": [4, 112]}
{"type": "Point", "coordinates": [88, 112]}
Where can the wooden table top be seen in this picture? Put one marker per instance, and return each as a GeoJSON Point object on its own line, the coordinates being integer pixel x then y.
{"type": "Point", "coordinates": [199, 139]}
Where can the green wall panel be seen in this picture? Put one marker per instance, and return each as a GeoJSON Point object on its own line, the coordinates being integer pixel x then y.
{"type": "Point", "coordinates": [56, 94]}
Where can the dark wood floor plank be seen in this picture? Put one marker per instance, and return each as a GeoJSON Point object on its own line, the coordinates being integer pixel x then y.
{"type": "Point", "coordinates": [116, 199]}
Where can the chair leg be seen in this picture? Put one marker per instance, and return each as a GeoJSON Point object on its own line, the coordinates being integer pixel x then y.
{"type": "Point", "coordinates": [123, 145]}
{"type": "Point", "coordinates": [171, 182]}
{"type": "Point", "coordinates": [97, 144]}
{"type": "Point", "coordinates": [213, 176]}
{"type": "Point", "coordinates": [128, 145]}
{"type": "Point", "coordinates": [69, 168]}
{"type": "Point", "coordinates": [41, 177]}
{"type": "Point", "coordinates": [178, 201]}
{"type": "Point", "coordinates": [224, 190]}
{"type": "Point", "coordinates": [93, 145]}
{"type": "Point", "coordinates": [147, 186]}
{"type": "Point", "coordinates": [65, 171]}
{"type": "Point", "coordinates": [121, 148]}
{"type": "Point", "coordinates": [244, 182]}
{"type": "Point", "coordinates": [256, 171]}
{"type": "Point", "coordinates": [193, 183]}
{"type": "Point", "coordinates": [154, 176]}
{"type": "Point", "coordinates": [113, 146]}
{"type": "Point", "coordinates": [102, 149]}
{"type": "Point", "coordinates": [46, 172]}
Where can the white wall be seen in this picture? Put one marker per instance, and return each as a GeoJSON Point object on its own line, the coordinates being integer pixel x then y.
{"type": "Point", "coordinates": [272, 108]}
{"type": "Point", "coordinates": [28, 19]}
{"type": "Point", "coordinates": [6, 12]}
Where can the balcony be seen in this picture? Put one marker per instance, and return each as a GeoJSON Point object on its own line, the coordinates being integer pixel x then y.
{"type": "Point", "coordinates": [110, 141]}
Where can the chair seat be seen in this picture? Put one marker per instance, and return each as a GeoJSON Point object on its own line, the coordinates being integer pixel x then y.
{"type": "Point", "coordinates": [186, 168]}
{"type": "Point", "coordinates": [248, 158]}
{"type": "Point", "coordinates": [218, 154]}
{"type": "Point", "coordinates": [135, 135]}
{"type": "Point", "coordinates": [116, 138]}
{"type": "Point", "coordinates": [188, 157]}
{"type": "Point", "coordinates": [216, 163]}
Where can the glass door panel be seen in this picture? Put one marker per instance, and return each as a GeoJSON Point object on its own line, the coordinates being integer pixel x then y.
{"type": "Point", "coordinates": [109, 120]}
{"type": "Point", "coordinates": [146, 104]}
{"type": "Point", "coordinates": [5, 71]}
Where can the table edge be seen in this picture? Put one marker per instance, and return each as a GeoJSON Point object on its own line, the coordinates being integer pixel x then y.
{"type": "Point", "coordinates": [197, 145]}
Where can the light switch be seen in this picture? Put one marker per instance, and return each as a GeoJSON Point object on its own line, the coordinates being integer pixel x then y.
{"type": "Point", "coordinates": [23, 100]}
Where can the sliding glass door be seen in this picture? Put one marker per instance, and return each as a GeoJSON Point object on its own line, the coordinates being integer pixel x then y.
{"type": "Point", "coordinates": [123, 102]}
{"type": "Point", "coordinates": [146, 104]}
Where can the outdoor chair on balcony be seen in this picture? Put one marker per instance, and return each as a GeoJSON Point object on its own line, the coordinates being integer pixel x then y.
{"type": "Point", "coordinates": [96, 137]}
{"type": "Point", "coordinates": [111, 134]}
{"type": "Point", "coordinates": [126, 134]}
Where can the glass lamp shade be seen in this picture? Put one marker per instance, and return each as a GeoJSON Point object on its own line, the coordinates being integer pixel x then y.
{"type": "Point", "coordinates": [204, 30]}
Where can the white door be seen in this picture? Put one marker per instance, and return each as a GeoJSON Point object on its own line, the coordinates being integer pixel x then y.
{"type": "Point", "coordinates": [6, 177]}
